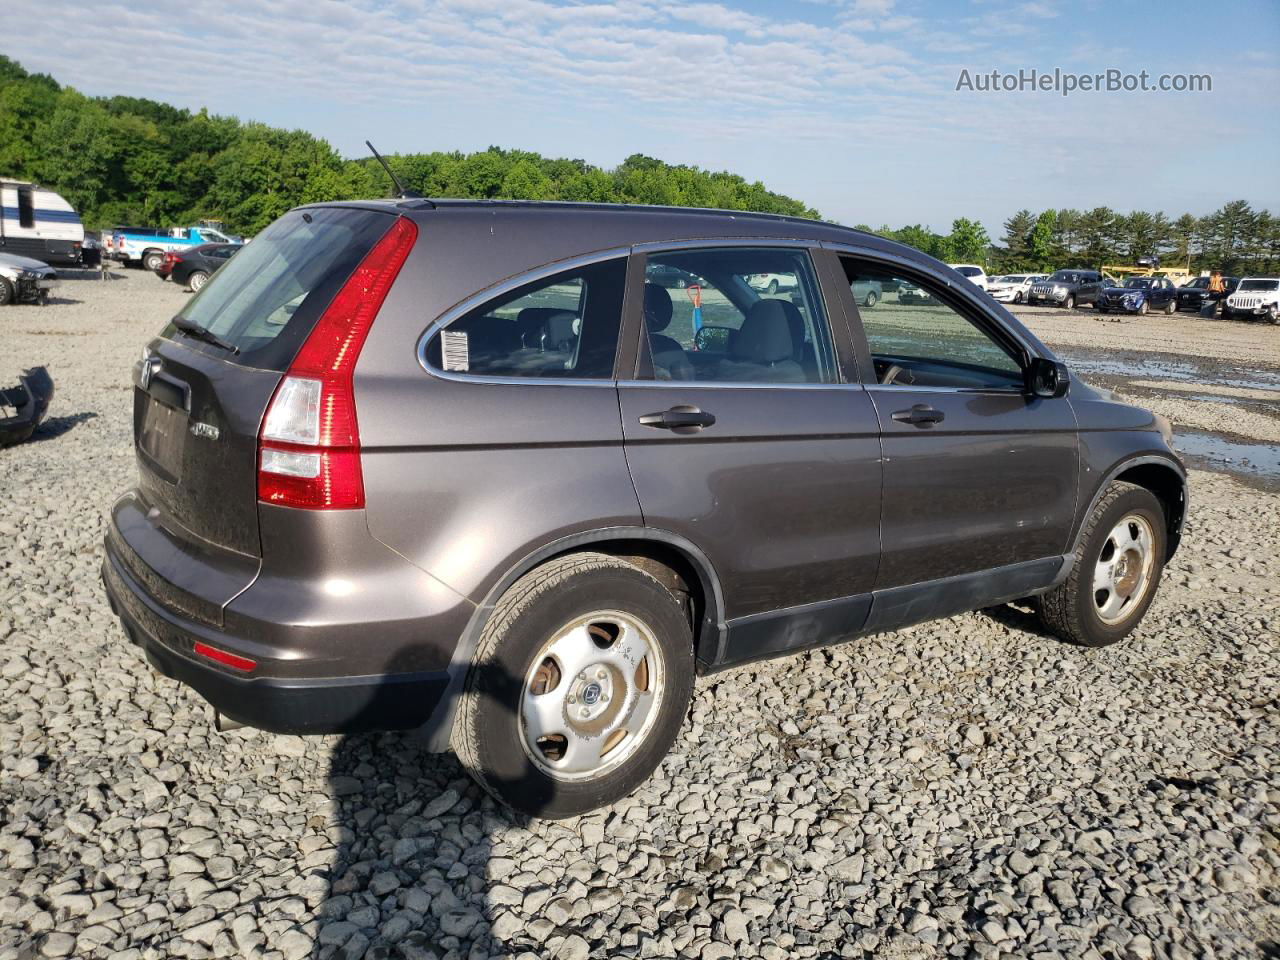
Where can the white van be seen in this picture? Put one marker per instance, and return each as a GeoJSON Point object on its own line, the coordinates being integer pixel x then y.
{"type": "Point", "coordinates": [37, 223]}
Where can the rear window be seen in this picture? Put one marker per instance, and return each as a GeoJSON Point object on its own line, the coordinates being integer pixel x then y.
{"type": "Point", "coordinates": [270, 294]}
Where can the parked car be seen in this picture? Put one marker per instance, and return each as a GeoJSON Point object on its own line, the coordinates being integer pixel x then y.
{"type": "Point", "coordinates": [868, 292]}
{"type": "Point", "coordinates": [148, 247]}
{"type": "Point", "coordinates": [535, 571]}
{"type": "Point", "coordinates": [771, 282]}
{"type": "Point", "coordinates": [193, 267]}
{"type": "Point", "coordinates": [23, 280]}
{"type": "Point", "coordinates": [1012, 287]}
{"type": "Point", "coordinates": [1254, 298]}
{"type": "Point", "coordinates": [1139, 295]}
{"type": "Point", "coordinates": [1196, 293]}
{"type": "Point", "coordinates": [910, 293]}
{"type": "Point", "coordinates": [971, 272]}
{"type": "Point", "coordinates": [1067, 288]}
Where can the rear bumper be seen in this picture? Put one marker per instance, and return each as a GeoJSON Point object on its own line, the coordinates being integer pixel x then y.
{"type": "Point", "coordinates": [280, 704]}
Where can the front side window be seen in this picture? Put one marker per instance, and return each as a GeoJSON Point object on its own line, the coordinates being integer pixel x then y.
{"type": "Point", "coordinates": [559, 327]}
{"type": "Point", "coordinates": [736, 315]}
{"type": "Point", "coordinates": [918, 339]}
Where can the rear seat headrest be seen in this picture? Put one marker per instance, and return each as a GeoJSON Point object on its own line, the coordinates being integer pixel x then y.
{"type": "Point", "coordinates": [657, 307]}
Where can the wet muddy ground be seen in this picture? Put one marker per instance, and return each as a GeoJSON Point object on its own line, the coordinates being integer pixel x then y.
{"type": "Point", "coordinates": [1217, 381]}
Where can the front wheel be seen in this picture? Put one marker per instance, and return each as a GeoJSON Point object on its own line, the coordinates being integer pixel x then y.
{"type": "Point", "coordinates": [1115, 573]}
{"type": "Point", "coordinates": [1143, 308]}
{"type": "Point", "coordinates": [1274, 313]}
{"type": "Point", "coordinates": [1070, 302]}
{"type": "Point", "coordinates": [1017, 297]}
{"type": "Point", "coordinates": [196, 280]}
{"type": "Point", "coordinates": [7, 292]}
{"type": "Point", "coordinates": [773, 286]}
{"type": "Point", "coordinates": [578, 687]}
{"type": "Point", "coordinates": [871, 300]}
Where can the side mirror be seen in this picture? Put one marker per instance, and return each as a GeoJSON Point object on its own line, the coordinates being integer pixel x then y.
{"type": "Point", "coordinates": [1048, 378]}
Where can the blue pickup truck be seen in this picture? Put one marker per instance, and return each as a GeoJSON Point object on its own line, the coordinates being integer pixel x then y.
{"type": "Point", "coordinates": [148, 246]}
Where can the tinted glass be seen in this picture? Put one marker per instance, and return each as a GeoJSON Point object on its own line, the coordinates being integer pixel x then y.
{"type": "Point", "coordinates": [266, 298]}
{"type": "Point", "coordinates": [918, 339]}
{"type": "Point", "coordinates": [736, 315]}
{"type": "Point", "coordinates": [26, 208]}
{"type": "Point", "coordinates": [564, 326]}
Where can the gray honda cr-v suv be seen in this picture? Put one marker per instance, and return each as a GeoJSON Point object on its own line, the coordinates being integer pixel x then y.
{"type": "Point", "coordinates": [513, 474]}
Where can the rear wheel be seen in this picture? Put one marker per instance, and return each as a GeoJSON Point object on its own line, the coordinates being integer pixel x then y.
{"type": "Point", "coordinates": [872, 299]}
{"type": "Point", "coordinates": [578, 687]}
{"type": "Point", "coordinates": [1116, 570]}
{"type": "Point", "coordinates": [153, 259]}
{"type": "Point", "coordinates": [7, 293]}
{"type": "Point", "coordinates": [196, 280]}
{"type": "Point", "coordinates": [1171, 307]}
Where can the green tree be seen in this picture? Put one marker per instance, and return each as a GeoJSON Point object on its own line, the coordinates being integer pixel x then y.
{"type": "Point", "coordinates": [969, 241]}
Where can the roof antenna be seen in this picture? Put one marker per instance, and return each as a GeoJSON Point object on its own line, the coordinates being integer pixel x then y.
{"type": "Point", "coordinates": [400, 188]}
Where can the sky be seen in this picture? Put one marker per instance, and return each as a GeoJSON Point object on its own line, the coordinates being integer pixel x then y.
{"type": "Point", "coordinates": [849, 105]}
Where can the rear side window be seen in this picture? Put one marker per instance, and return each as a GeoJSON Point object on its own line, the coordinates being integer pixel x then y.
{"type": "Point", "coordinates": [559, 327]}
{"type": "Point", "coordinates": [736, 315]}
{"type": "Point", "coordinates": [26, 207]}
{"type": "Point", "coordinates": [270, 294]}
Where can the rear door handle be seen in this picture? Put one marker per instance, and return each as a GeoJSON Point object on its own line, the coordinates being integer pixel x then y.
{"type": "Point", "coordinates": [921, 415]}
{"type": "Point", "coordinates": [682, 417]}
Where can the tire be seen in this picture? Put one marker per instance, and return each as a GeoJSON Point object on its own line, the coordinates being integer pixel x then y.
{"type": "Point", "coordinates": [196, 280]}
{"type": "Point", "coordinates": [7, 293]}
{"type": "Point", "coordinates": [1075, 610]}
{"type": "Point", "coordinates": [1171, 308]}
{"type": "Point", "coordinates": [1143, 308]}
{"type": "Point", "coordinates": [1017, 297]}
{"type": "Point", "coordinates": [871, 299]}
{"type": "Point", "coordinates": [152, 259]}
{"type": "Point", "coordinates": [1070, 302]}
{"type": "Point", "coordinates": [773, 286]}
{"type": "Point", "coordinates": [528, 638]}
{"type": "Point", "coordinates": [1274, 314]}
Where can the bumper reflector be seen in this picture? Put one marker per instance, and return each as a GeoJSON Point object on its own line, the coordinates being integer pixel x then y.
{"type": "Point", "coordinates": [227, 659]}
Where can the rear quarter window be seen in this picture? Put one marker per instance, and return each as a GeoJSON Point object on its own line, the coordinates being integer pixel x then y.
{"type": "Point", "coordinates": [267, 297]}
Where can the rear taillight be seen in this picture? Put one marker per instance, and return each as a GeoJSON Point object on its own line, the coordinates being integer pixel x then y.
{"type": "Point", "coordinates": [309, 447]}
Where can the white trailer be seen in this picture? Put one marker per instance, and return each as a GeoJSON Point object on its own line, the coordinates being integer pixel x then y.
{"type": "Point", "coordinates": [38, 223]}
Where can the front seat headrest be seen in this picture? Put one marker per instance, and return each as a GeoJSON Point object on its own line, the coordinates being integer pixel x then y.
{"type": "Point", "coordinates": [765, 335]}
{"type": "Point", "coordinates": [657, 307]}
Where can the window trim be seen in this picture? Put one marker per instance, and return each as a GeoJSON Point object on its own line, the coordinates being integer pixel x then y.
{"type": "Point", "coordinates": [960, 300]}
{"type": "Point", "coordinates": [500, 289]}
{"type": "Point", "coordinates": [642, 371]}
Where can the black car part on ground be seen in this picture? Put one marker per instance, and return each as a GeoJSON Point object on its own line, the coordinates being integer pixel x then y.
{"type": "Point", "coordinates": [23, 407]}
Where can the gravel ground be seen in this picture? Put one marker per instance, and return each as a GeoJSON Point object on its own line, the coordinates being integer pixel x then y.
{"type": "Point", "coordinates": [969, 788]}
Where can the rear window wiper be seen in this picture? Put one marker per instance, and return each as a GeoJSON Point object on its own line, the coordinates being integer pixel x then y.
{"type": "Point", "coordinates": [205, 334]}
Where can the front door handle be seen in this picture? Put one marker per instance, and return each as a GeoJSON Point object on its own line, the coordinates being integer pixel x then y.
{"type": "Point", "coordinates": [682, 417]}
{"type": "Point", "coordinates": [922, 415]}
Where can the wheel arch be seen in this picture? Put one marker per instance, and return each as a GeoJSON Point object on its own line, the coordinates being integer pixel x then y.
{"type": "Point", "coordinates": [1163, 477]}
{"type": "Point", "coordinates": [675, 561]}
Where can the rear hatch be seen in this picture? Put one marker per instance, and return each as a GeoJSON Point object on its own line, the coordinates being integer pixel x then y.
{"type": "Point", "coordinates": [191, 528]}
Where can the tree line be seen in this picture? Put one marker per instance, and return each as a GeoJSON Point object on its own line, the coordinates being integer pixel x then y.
{"type": "Point", "coordinates": [1235, 239]}
{"type": "Point", "coordinates": [126, 160]}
